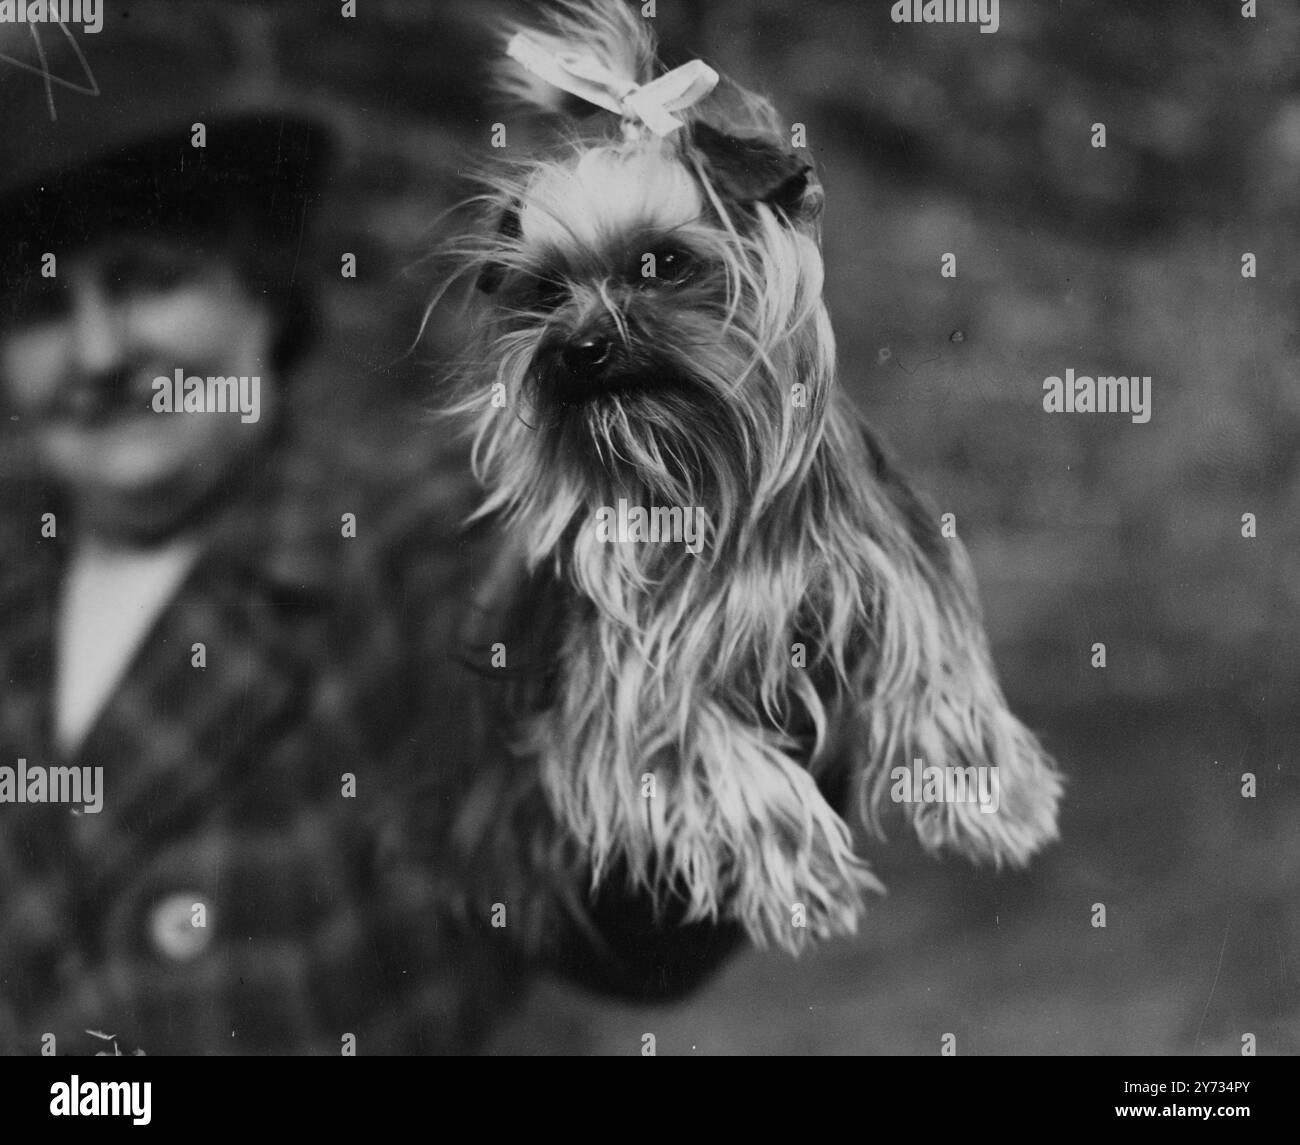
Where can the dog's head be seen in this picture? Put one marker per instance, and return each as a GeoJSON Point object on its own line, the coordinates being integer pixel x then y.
{"type": "Point", "coordinates": [654, 300]}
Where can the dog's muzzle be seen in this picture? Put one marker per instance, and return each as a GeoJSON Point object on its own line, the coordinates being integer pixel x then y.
{"type": "Point", "coordinates": [584, 365]}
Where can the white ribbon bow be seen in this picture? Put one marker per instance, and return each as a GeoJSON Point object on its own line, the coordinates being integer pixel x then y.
{"type": "Point", "coordinates": [589, 79]}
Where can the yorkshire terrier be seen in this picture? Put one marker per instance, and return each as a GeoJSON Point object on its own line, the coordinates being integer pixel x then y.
{"type": "Point", "coordinates": [654, 358]}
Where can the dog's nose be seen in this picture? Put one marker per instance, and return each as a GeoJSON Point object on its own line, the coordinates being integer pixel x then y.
{"type": "Point", "coordinates": [586, 353]}
{"type": "Point", "coordinates": [582, 363]}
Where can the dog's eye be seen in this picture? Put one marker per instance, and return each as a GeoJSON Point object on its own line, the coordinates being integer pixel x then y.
{"type": "Point", "coordinates": [543, 293]}
{"type": "Point", "coordinates": [672, 265]}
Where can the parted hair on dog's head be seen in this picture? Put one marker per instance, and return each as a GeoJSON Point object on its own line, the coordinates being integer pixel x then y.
{"type": "Point", "coordinates": [652, 356]}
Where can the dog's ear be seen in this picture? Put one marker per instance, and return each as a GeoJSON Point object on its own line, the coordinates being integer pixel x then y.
{"type": "Point", "coordinates": [490, 277]}
{"type": "Point", "coordinates": [753, 170]}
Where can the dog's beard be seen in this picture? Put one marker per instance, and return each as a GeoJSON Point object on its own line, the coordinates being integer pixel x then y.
{"type": "Point", "coordinates": [688, 734]}
{"type": "Point", "coordinates": [686, 426]}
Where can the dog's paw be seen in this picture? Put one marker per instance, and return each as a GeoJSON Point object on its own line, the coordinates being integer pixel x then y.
{"type": "Point", "coordinates": [990, 795]}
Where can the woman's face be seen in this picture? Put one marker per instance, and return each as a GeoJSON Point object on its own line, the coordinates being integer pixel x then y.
{"type": "Point", "coordinates": [78, 363]}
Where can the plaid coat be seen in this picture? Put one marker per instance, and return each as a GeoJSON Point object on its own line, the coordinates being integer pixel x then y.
{"type": "Point", "coordinates": [326, 657]}
{"type": "Point", "coordinates": [331, 788]}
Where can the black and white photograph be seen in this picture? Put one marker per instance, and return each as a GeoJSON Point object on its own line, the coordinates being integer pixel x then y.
{"type": "Point", "coordinates": [650, 528]}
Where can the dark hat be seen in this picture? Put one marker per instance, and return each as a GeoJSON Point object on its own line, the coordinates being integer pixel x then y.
{"type": "Point", "coordinates": [169, 76]}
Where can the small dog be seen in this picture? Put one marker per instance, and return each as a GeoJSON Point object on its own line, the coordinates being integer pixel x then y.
{"type": "Point", "coordinates": [655, 338]}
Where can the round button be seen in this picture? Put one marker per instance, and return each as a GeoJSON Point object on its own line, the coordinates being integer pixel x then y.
{"type": "Point", "coordinates": [180, 926]}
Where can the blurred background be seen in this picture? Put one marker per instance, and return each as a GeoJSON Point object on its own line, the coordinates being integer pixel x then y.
{"type": "Point", "coordinates": [936, 139]}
